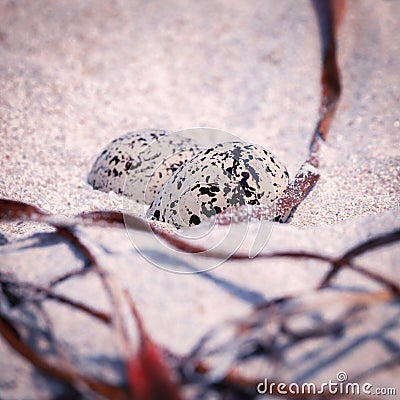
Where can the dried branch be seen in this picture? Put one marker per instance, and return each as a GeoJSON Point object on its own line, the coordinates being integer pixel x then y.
{"type": "Point", "coordinates": [18, 292]}
{"type": "Point", "coordinates": [65, 373]}
{"type": "Point", "coordinates": [148, 375]}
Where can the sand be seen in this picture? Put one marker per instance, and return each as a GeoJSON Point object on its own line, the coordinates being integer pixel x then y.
{"type": "Point", "coordinates": [75, 75]}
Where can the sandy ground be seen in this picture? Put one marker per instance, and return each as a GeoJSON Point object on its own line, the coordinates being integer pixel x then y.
{"type": "Point", "coordinates": [75, 75]}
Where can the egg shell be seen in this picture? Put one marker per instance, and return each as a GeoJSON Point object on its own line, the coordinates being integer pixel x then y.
{"type": "Point", "coordinates": [138, 163]}
{"type": "Point", "coordinates": [226, 175]}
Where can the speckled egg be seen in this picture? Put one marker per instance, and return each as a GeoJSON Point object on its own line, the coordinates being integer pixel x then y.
{"type": "Point", "coordinates": [226, 175]}
{"type": "Point", "coordinates": [137, 164]}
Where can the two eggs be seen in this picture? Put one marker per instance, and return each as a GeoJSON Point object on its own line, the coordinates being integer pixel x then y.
{"type": "Point", "coordinates": [187, 178]}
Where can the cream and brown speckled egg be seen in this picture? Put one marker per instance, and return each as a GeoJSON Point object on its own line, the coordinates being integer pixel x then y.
{"type": "Point", "coordinates": [137, 164]}
{"type": "Point", "coordinates": [226, 175]}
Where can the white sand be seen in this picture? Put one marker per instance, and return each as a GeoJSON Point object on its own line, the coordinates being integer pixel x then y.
{"type": "Point", "coordinates": [74, 75]}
